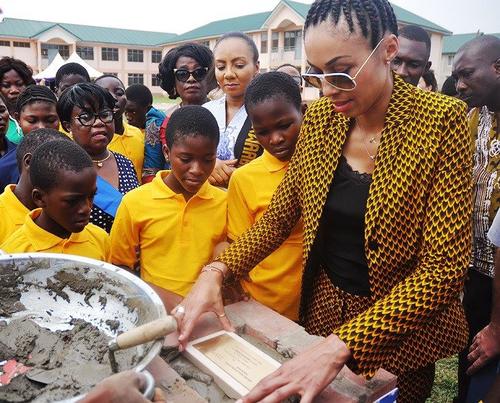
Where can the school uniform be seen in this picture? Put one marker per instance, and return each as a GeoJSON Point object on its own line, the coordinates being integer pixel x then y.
{"type": "Point", "coordinates": [92, 242]}
{"type": "Point", "coordinates": [131, 145]}
{"type": "Point", "coordinates": [176, 238]}
{"type": "Point", "coordinates": [12, 213]}
{"type": "Point", "coordinates": [274, 282]}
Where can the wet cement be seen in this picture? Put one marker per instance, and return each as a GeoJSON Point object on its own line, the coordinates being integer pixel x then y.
{"type": "Point", "coordinates": [10, 292]}
{"type": "Point", "coordinates": [70, 361]}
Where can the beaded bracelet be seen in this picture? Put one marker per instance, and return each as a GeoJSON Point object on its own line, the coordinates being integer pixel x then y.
{"type": "Point", "coordinates": [212, 268]}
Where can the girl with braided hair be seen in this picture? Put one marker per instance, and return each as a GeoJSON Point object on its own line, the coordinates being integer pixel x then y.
{"type": "Point", "coordinates": [36, 109]}
{"type": "Point", "coordinates": [381, 177]}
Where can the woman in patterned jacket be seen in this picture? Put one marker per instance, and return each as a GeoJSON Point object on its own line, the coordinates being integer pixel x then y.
{"type": "Point", "coordinates": [381, 177]}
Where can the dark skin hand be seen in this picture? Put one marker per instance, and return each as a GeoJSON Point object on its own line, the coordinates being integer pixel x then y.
{"type": "Point", "coordinates": [124, 387]}
{"type": "Point", "coordinates": [486, 344]}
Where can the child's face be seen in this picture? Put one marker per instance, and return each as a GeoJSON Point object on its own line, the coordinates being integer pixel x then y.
{"type": "Point", "coordinates": [93, 139]}
{"type": "Point", "coordinates": [276, 124]}
{"type": "Point", "coordinates": [136, 114]}
{"type": "Point", "coordinates": [192, 159]}
{"type": "Point", "coordinates": [38, 115]}
{"type": "Point", "coordinates": [68, 81]}
{"type": "Point", "coordinates": [115, 88]}
{"type": "Point", "coordinates": [4, 118]}
{"type": "Point", "coordinates": [67, 206]}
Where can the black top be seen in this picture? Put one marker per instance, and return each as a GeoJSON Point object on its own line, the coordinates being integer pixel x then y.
{"type": "Point", "coordinates": [340, 245]}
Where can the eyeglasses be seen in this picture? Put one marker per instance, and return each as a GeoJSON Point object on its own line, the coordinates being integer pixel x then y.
{"type": "Point", "coordinates": [89, 118]}
{"type": "Point", "coordinates": [340, 81]}
{"type": "Point", "coordinates": [198, 74]}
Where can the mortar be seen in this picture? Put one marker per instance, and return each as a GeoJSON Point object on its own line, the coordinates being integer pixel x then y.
{"type": "Point", "coordinates": [54, 290]}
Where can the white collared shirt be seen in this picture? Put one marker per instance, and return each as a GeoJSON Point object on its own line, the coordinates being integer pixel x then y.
{"type": "Point", "coordinates": [228, 133]}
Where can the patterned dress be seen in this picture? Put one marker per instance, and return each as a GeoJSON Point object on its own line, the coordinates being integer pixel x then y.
{"type": "Point", "coordinates": [417, 237]}
{"type": "Point", "coordinates": [127, 180]}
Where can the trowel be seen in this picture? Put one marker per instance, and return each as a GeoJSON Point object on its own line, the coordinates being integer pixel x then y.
{"type": "Point", "coordinates": [154, 330]}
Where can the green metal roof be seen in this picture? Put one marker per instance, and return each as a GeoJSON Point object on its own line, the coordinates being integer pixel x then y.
{"type": "Point", "coordinates": [19, 28]}
{"type": "Point", "coordinates": [86, 33]}
{"type": "Point", "coordinates": [452, 43]}
{"type": "Point", "coordinates": [254, 22]}
{"type": "Point", "coordinates": [245, 23]}
{"type": "Point", "coordinates": [407, 17]}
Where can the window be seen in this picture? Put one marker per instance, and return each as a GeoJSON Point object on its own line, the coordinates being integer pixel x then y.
{"type": "Point", "coordinates": [111, 74]}
{"type": "Point", "coordinates": [155, 80]}
{"type": "Point", "coordinates": [275, 42]}
{"type": "Point", "coordinates": [135, 55]}
{"type": "Point", "coordinates": [450, 60]}
{"type": "Point", "coordinates": [291, 39]}
{"type": "Point", "coordinates": [205, 43]}
{"type": "Point", "coordinates": [4, 43]}
{"type": "Point", "coordinates": [134, 78]}
{"type": "Point", "coordinates": [110, 54]}
{"type": "Point", "coordinates": [155, 56]}
{"type": "Point", "coordinates": [21, 44]}
{"type": "Point", "coordinates": [263, 42]}
{"type": "Point", "coordinates": [85, 52]}
{"type": "Point", "coordinates": [49, 51]}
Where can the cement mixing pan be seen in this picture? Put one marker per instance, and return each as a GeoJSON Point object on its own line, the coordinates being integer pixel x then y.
{"type": "Point", "coordinates": [55, 291]}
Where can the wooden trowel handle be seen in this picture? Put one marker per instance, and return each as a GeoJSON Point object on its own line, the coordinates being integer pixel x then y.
{"type": "Point", "coordinates": [146, 333]}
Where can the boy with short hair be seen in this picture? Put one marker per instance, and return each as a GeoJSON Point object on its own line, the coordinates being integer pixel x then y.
{"type": "Point", "coordinates": [16, 200]}
{"type": "Point", "coordinates": [181, 216]}
{"type": "Point", "coordinates": [273, 104]}
{"type": "Point", "coordinates": [64, 183]}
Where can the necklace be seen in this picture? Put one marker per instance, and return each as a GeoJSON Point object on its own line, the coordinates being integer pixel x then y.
{"type": "Point", "coordinates": [99, 162]}
{"type": "Point", "coordinates": [372, 140]}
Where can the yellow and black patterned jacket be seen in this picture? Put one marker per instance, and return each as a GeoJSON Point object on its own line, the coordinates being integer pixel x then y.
{"type": "Point", "coordinates": [417, 226]}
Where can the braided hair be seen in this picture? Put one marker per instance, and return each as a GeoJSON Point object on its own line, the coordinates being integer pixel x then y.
{"type": "Point", "coordinates": [374, 17]}
{"type": "Point", "coordinates": [35, 93]}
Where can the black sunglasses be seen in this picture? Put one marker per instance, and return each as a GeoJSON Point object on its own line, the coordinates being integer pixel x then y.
{"type": "Point", "coordinates": [198, 74]}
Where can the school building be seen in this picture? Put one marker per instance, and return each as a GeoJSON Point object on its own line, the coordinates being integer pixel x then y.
{"type": "Point", "coordinates": [134, 55]}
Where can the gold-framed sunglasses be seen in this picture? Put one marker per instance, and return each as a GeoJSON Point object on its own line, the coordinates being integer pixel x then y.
{"type": "Point", "coordinates": [340, 81]}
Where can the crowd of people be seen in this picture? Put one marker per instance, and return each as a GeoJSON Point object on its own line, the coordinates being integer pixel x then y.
{"type": "Point", "coordinates": [368, 216]}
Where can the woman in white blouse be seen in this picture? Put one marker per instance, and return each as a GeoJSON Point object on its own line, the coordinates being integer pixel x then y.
{"type": "Point", "coordinates": [236, 63]}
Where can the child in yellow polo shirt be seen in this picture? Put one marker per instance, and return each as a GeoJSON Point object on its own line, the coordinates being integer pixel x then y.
{"type": "Point", "coordinates": [128, 140]}
{"type": "Point", "coordinates": [64, 183]}
{"type": "Point", "coordinates": [176, 220]}
{"type": "Point", "coordinates": [16, 200]}
{"type": "Point", "coordinates": [273, 104]}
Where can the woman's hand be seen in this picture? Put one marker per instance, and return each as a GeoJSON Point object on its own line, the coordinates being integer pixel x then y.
{"type": "Point", "coordinates": [306, 375]}
{"type": "Point", "coordinates": [222, 172]}
{"type": "Point", "coordinates": [205, 296]}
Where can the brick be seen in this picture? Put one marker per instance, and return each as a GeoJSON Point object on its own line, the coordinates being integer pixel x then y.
{"type": "Point", "coordinates": [175, 388]}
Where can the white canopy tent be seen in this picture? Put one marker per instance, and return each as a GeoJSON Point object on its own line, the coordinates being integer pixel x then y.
{"type": "Point", "coordinates": [74, 58]}
{"type": "Point", "coordinates": [51, 70]}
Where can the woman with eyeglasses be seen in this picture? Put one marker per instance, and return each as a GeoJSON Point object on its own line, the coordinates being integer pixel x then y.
{"type": "Point", "coordinates": [86, 112]}
{"type": "Point", "coordinates": [236, 63]}
{"type": "Point", "coordinates": [381, 177]}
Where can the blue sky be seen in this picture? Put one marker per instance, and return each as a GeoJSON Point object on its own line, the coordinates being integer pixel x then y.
{"type": "Point", "coordinates": [177, 16]}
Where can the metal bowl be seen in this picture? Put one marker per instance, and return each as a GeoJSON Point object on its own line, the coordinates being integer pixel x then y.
{"type": "Point", "coordinates": [128, 299]}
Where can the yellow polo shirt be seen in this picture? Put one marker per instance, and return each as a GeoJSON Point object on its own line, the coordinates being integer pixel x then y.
{"type": "Point", "coordinates": [276, 281]}
{"type": "Point", "coordinates": [12, 213]}
{"type": "Point", "coordinates": [131, 145]}
{"type": "Point", "coordinates": [176, 238]}
{"type": "Point", "coordinates": [92, 242]}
